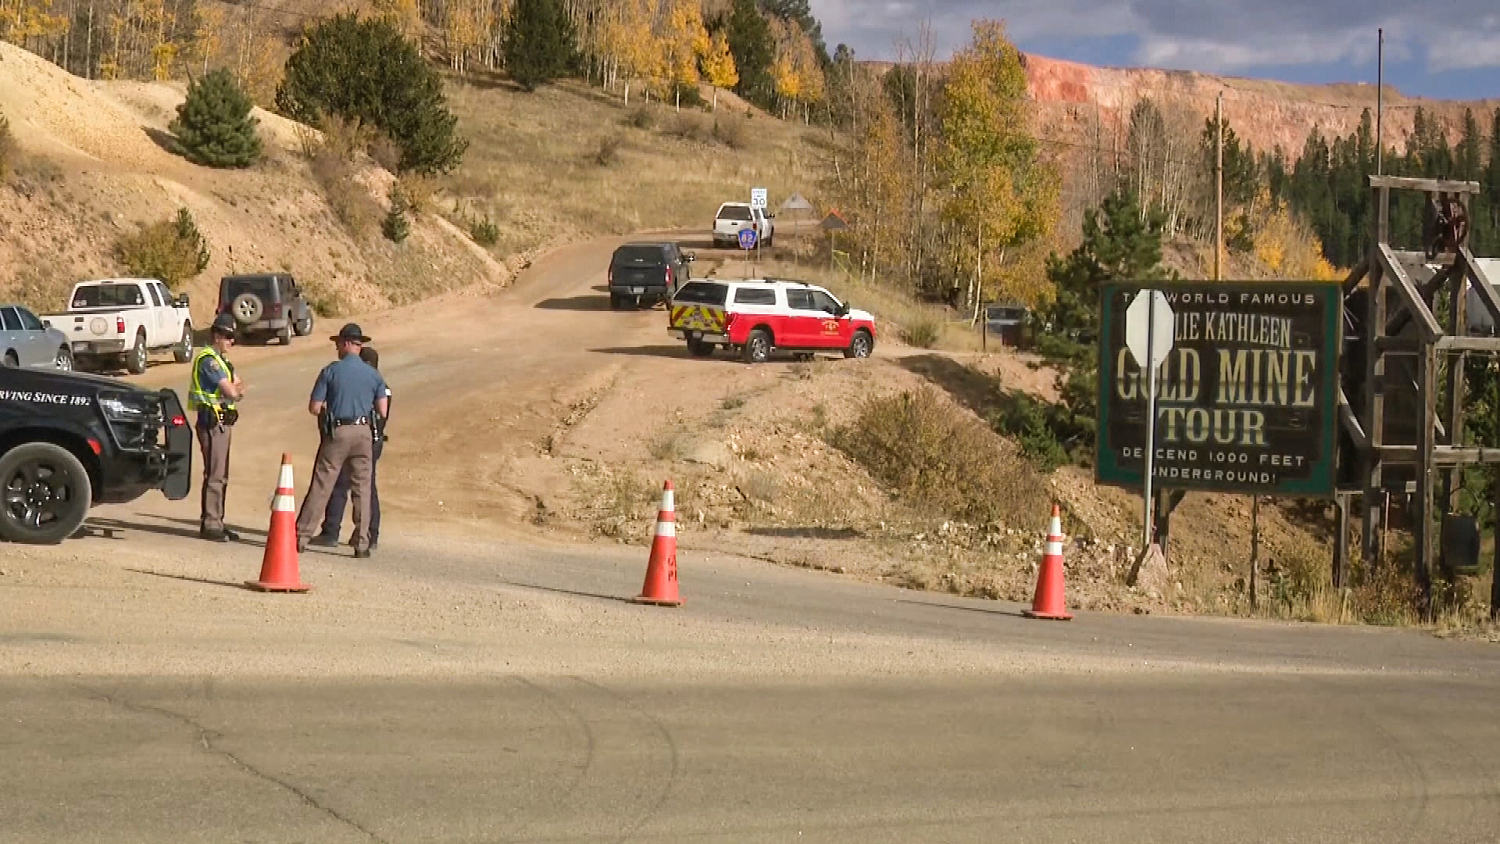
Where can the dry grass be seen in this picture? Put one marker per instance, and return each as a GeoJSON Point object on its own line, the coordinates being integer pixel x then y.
{"type": "Point", "coordinates": [8, 148]}
{"type": "Point", "coordinates": [533, 168]}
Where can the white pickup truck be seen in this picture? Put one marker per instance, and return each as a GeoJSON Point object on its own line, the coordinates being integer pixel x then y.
{"type": "Point", "coordinates": [733, 216]}
{"type": "Point", "coordinates": [116, 321]}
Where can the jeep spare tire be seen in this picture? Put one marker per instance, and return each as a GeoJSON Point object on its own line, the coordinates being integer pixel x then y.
{"type": "Point", "coordinates": [247, 308]}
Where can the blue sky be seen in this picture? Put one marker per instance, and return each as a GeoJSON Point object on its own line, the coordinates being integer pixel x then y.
{"type": "Point", "coordinates": [1448, 49]}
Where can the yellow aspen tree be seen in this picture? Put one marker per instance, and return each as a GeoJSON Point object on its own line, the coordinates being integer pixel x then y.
{"type": "Point", "coordinates": [997, 192]}
{"type": "Point", "coordinates": [718, 66]}
{"type": "Point", "coordinates": [685, 41]}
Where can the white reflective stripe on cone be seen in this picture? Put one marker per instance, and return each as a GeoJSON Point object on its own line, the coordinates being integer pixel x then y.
{"type": "Point", "coordinates": [668, 501]}
{"type": "Point", "coordinates": [284, 504]}
{"type": "Point", "coordinates": [666, 529]}
{"type": "Point", "coordinates": [1053, 549]}
{"type": "Point", "coordinates": [285, 481]}
{"type": "Point", "coordinates": [1055, 529]}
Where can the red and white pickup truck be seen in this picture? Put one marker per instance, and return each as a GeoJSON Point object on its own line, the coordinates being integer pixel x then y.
{"type": "Point", "coordinates": [758, 316]}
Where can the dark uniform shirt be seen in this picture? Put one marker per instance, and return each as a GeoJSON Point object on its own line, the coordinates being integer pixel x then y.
{"type": "Point", "coordinates": [350, 387]}
{"type": "Point", "coordinates": [211, 375]}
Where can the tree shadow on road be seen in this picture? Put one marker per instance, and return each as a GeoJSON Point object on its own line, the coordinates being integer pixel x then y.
{"type": "Point", "coordinates": [575, 303]}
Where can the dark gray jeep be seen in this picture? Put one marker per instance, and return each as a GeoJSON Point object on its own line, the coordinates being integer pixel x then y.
{"type": "Point", "coordinates": [266, 305]}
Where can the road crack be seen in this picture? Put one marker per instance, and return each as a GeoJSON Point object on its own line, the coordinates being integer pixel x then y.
{"type": "Point", "coordinates": [207, 739]}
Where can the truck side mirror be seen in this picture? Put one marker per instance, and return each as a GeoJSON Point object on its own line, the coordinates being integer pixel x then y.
{"type": "Point", "coordinates": [841, 310]}
{"type": "Point", "coordinates": [182, 300]}
{"type": "Point", "coordinates": [689, 257]}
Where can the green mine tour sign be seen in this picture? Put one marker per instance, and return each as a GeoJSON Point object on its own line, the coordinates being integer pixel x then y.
{"type": "Point", "coordinates": [1246, 398]}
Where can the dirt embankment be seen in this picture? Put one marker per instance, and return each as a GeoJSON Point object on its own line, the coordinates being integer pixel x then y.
{"type": "Point", "coordinates": [95, 164]}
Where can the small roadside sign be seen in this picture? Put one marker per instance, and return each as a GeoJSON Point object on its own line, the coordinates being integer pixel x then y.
{"type": "Point", "coordinates": [747, 238]}
{"type": "Point", "coordinates": [758, 198]}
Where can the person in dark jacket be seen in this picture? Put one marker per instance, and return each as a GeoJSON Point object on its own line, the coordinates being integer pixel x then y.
{"type": "Point", "coordinates": [333, 514]}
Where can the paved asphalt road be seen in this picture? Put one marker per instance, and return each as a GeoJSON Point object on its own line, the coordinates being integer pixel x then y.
{"type": "Point", "coordinates": [1221, 730]}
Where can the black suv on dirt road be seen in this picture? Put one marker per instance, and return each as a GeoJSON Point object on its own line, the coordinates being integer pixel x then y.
{"type": "Point", "coordinates": [266, 305]}
{"type": "Point", "coordinates": [69, 441]}
{"type": "Point", "coordinates": [646, 273]}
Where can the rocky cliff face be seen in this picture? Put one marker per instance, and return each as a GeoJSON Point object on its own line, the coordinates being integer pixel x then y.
{"type": "Point", "coordinates": [1085, 104]}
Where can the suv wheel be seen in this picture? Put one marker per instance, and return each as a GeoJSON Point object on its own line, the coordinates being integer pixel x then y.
{"type": "Point", "coordinates": [64, 359]}
{"type": "Point", "coordinates": [860, 346]}
{"type": "Point", "coordinates": [304, 326]}
{"type": "Point", "coordinates": [758, 346]}
{"type": "Point", "coordinates": [135, 361]}
{"type": "Point", "coordinates": [46, 493]}
{"type": "Point", "coordinates": [615, 302]}
{"type": "Point", "coordinates": [285, 335]}
{"type": "Point", "coordinates": [183, 351]}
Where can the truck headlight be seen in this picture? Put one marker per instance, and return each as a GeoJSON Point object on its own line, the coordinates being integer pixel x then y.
{"type": "Point", "coordinates": [119, 407]}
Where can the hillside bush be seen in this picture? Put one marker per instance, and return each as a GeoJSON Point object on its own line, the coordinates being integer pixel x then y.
{"type": "Point", "coordinates": [609, 150]}
{"type": "Point", "coordinates": [1029, 422]}
{"type": "Point", "coordinates": [922, 332]}
{"type": "Point", "coordinates": [689, 127]}
{"type": "Point", "coordinates": [483, 231]}
{"type": "Point", "coordinates": [366, 69]}
{"type": "Point", "coordinates": [731, 132]}
{"type": "Point", "coordinates": [171, 250]}
{"type": "Point", "coordinates": [214, 126]}
{"type": "Point", "coordinates": [938, 457]}
{"type": "Point", "coordinates": [396, 227]}
{"type": "Point", "coordinates": [642, 117]}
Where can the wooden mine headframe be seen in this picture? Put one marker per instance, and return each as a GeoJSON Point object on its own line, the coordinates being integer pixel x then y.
{"type": "Point", "coordinates": [1389, 391]}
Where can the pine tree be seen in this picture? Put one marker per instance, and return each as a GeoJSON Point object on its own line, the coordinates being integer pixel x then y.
{"type": "Point", "coordinates": [367, 69]}
{"type": "Point", "coordinates": [753, 48]}
{"type": "Point", "coordinates": [540, 43]}
{"type": "Point", "coordinates": [214, 126]}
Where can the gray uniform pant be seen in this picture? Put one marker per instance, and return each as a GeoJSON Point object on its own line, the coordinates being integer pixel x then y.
{"type": "Point", "coordinates": [352, 445]}
{"type": "Point", "coordinates": [213, 441]}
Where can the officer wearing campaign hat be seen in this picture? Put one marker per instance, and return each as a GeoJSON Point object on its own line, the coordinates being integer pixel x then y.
{"type": "Point", "coordinates": [214, 393]}
{"type": "Point", "coordinates": [348, 398]}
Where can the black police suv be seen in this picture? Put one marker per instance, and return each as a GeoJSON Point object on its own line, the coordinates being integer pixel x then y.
{"type": "Point", "coordinates": [69, 441]}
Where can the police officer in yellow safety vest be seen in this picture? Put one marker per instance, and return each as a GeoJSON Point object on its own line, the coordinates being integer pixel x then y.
{"type": "Point", "coordinates": [213, 393]}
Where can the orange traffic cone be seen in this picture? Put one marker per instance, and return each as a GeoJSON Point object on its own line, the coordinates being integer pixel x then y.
{"type": "Point", "coordinates": [661, 570]}
{"type": "Point", "coordinates": [1048, 601]}
{"type": "Point", "coordinates": [278, 568]}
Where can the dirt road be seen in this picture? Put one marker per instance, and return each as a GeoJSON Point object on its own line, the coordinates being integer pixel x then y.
{"type": "Point", "coordinates": [481, 679]}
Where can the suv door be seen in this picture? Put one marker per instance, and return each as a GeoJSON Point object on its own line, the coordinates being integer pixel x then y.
{"type": "Point", "coordinates": [833, 331]}
{"type": "Point", "coordinates": [12, 338]}
{"type": "Point", "coordinates": [804, 321]}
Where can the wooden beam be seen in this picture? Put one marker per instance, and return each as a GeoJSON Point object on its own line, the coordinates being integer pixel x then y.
{"type": "Point", "coordinates": [1422, 533]}
{"type": "Point", "coordinates": [1356, 275]}
{"type": "Point", "coordinates": [1443, 455]}
{"type": "Point", "coordinates": [1351, 423]}
{"type": "Point", "coordinates": [1482, 284]}
{"type": "Point", "coordinates": [1410, 295]}
{"type": "Point", "coordinates": [1429, 185]}
{"type": "Point", "coordinates": [1468, 344]}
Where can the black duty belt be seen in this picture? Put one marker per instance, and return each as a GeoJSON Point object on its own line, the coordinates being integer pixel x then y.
{"type": "Point", "coordinates": [361, 420]}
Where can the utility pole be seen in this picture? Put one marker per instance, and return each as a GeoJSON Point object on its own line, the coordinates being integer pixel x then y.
{"type": "Point", "coordinates": [1379, 101]}
{"type": "Point", "coordinates": [1219, 190]}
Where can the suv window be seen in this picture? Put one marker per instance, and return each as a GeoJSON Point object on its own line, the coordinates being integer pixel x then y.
{"type": "Point", "coordinates": [702, 293]}
{"type": "Point", "coordinates": [8, 319]}
{"type": "Point", "coordinates": [800, 300]}
{"type": "Point", "coordinates": [734, 212]}
{"type": "Point", "coordinates": [755, 296]}
{"type": "Point", "coordinates": [823, 302]}
{"type": "Point", "coordinates": [108, 296]}
{"type": "Point", "coordinates": [263, 286]}
{"type": "Point", "coordinates": [639, 256]}
{"type": "Point", "coordinates": [29, 320]}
